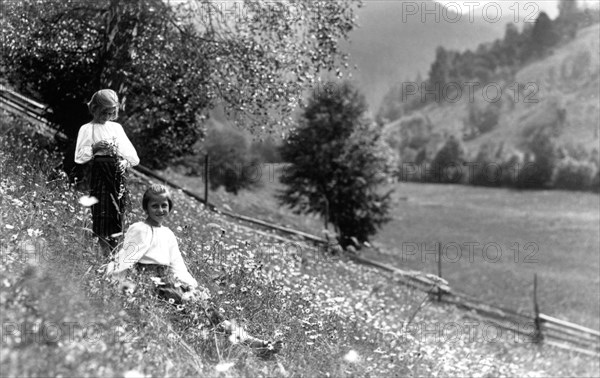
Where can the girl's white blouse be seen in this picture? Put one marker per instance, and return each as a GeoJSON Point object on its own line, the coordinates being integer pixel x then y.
{"type": "Point", "coordinates": [112, 132]}
{"type": "Point", "coordinates": [147, 244]}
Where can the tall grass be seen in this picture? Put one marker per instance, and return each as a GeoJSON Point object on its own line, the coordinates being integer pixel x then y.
{"type": "Point", "coordinates": [61, 318]}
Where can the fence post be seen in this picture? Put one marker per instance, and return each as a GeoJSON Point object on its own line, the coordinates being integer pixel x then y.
{"type": "Point", "coordinates": [206, 179]}
{"type": "Point", "coordinates": [439, 289]}
{"type": "Point", "coordinates": [537, 336]}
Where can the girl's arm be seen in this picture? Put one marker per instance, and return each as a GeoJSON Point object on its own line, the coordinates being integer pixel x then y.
{"type": "Point", "coordinates": [135, 246]}
{"type": "Point", "coordinates": [178, 267]}
{"type": "Point", "coordinates": [83, 148]}
{"type": "Point", "coordinates": [126, 149]}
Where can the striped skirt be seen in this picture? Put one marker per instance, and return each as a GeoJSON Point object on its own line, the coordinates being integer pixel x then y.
{"type": "Point", "coordinates": [107, 184]}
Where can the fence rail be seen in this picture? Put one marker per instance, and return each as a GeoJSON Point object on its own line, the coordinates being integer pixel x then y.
{"type": "Point", "coordinates": [552, 331]}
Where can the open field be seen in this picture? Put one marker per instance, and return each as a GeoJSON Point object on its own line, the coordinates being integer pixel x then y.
{"type": "Point", "coordinates": [493, 240]}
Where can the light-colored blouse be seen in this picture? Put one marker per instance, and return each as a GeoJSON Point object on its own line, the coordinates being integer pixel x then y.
{"type": "Point", "coordinates": [147, 244]}
{"type": "Point", "coordinates": [112, 132]}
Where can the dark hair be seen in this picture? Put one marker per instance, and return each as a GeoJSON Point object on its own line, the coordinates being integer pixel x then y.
{"type": "Point", "coordinates": [155, 191]}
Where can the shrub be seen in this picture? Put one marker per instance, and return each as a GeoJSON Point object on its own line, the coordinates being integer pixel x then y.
{"type": "Point", "coordinates": [574, 174]}
{"type": "Point", "coordinates": [232, 164]}
{"type": "Point", "coordinates": [539, 163]}
{"type": "Point", "coordinates": [446, 166]}
{"type": "Point", "coordinates": [484, 118]}
{"type": "Point", "coordinates": [485, 171]}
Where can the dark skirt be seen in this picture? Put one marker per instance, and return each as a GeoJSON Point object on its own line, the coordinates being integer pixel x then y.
{"type": "Point", "coordinates": [107, 184]}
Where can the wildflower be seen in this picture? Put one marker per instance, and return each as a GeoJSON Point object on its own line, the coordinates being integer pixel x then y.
{"type": "Point", "coordinates": [171, 300]}
{"type": "Point", "coordinates": [133, 374]}
{"type": "Point", "coordinates": [204, 334]}
{"type": "Point", "coordinates": [10, 227]}
{"type": "Point", "coordinates": [88, 201]}
{"type": "Point", "coordinates": [224, 366]}
{"type": "Point", "coordinates": [352, 356]}
{"type": "Point", "coordinates": [33, 233]}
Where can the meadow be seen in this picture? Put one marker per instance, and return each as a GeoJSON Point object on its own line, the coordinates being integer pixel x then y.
{"type": "Point", "coordinates": [493, 239]}
{"type": "Point", "coordinates": [60, 317]}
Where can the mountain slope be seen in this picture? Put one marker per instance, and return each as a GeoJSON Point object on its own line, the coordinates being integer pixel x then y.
{"type": "Point", "coordinates": [393, 44]}
{"type": "Point", "coordinates": [563, 97]}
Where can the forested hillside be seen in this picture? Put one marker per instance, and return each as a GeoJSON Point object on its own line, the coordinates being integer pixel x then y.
{"type": "Point", "coordinates": [531, 98]}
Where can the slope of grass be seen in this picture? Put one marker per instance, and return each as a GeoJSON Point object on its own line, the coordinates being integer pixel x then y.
{"type": "Point", "coordinates": [551, 233]}
{"type": "Point", "coordinates": [60, 318]}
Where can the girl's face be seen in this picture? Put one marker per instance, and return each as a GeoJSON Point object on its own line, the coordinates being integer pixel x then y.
{"type": "Point", "coordinates": [103, 115]}
{"type": "Point", "coordinates": [157, 210]}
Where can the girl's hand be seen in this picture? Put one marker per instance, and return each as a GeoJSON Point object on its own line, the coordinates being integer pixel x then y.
{"type": "Point", "coordinates": [123, 164]}
{"type": "Point", "coordinates": [102, 145]}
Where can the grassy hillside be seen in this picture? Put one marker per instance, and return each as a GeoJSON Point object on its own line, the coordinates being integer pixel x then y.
{"type": "Point", "coordinates": [561, 93]}
{"type": "Point", "coordinates": [59, 316]}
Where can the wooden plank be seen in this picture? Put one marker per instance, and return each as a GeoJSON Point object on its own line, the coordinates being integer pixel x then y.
{"type": "Point", "coordinates": [567, 324]}
{"type": "Point", "coordinates": [505, 326]}
{"type": "Point", "coordinates": [487, 310]}
{"type": "Point", "coordinates": [572, 348]}
{"type": "Point", "coordinates": [10, 93]}
{"type": "Point", "coordinates": [572, 340]}
{"type": "Point", "coordinates": [22, 110]}
{"type": "Point", "coordinates": [569, 331]}
{"type": "Point", "coordinates": [276, 227]}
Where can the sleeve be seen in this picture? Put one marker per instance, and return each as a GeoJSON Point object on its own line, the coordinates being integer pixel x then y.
{"type": "Point", "coordinates": [178, 265]}
{"type": "Point", "coordinates": [83, 148]}
{"type": "Point", "coordinates": [126, 149]}
{"type": "Point", "coordinates": [135, 246]}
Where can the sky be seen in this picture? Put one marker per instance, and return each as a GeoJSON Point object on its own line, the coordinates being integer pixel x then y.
{"type": "Point", "coordinates": [517, 8]}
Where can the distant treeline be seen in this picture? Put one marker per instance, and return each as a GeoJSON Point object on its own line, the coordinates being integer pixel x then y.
{"type": "Point", "coordinates": [490, 62]}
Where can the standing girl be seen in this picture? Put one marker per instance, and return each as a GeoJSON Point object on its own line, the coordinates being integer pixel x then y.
{"type": "Point", "coordinates": [105, 146]}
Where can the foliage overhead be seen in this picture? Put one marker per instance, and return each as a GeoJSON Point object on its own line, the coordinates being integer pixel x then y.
{"type": "Point", "coordinates": [172, 63]}
{"type": "Point", "coordinates": [337, 161]}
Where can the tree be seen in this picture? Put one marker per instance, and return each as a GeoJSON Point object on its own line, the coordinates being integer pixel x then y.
{"type": "Point", "coordinates": [446, 166]}
{"type": "Point", "coordinates": [567, 8]}
{"type": "Point", "coordinates": [511, 45]}
{"type": "Point", "coordinates": [542, 155]}
{"type": "Point", "coordinates": [172, 63]}
{"type": "Point", "coordinates": [439, 73]}
{"type": "Point", "coordinates": [543, 35]}
{"type": "Point", "coordinates": [337, 162]}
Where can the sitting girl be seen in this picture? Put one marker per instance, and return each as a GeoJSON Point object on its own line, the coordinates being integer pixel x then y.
{"type": "Point", "coordinates": [151, 247]}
